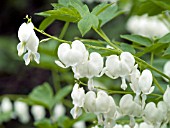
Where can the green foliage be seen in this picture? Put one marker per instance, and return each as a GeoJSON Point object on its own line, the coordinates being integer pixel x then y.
{"type": "Point", "coordinates": [45, 123]}
{"type": "Point", "coordinates": [140, 40]}
{"type": "Point", "coordinates": [165, 39]}
{"type": "Point", "coordinates": [167, 53]}
{"type": "Point", "coordinates": [105, 12]}
{"type": "Point", "coordinates": [41, 95]}
{"type": "Point", "coordinates": [151, 7]}
{"type": "Point", "coordinates": [87, 22]}
{"type": "Point", "coordinates": [62, 93]}
{"type": "Point", "coordinates": [127, 48]}
{"type": "Point", "coordinates": [5, 117]}
{"type": "Point", "coordinates": [46, 22]}
{"type": "Point", "coordinates": [68, 14]}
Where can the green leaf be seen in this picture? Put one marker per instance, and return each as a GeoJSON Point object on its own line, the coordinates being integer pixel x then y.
{"type": "Point", "coordinates": [88, 21]}
{"type": "Point", "coordinates": [63, 2]}
{"type": "Point", "coordinates": [157, 48]}
{"type": "Point", "coordinates": [46, 22]}
{"type": "Point", "coordinates": [100, 8]}
{"type": "Point", "coordinates": [167, 52]}
{"type": "Point", "coordinates": [147, 7]}
{"type": "Point", "coordinates": [127, 48]}
{"type": "Point", "coordinates": [65, 122]}
{"type": "Point", "coordinates": [165, 39]}
{"type": "Point", "coordinates": [45, 123]}
{"type": "Point", "coordinates": [42, 95]}
{"type": "Point", "coordinates": [108, 14]}
{"type": "Point", "coordinates": [83, 10]}
{"type": "Point", "coordinates": [62, 93]}
{"type": "Point", "coordinates": [5, 117]}
{"type": "Point", "coordinates": [79, 2]}
{"type": "Point", "coordinates": [144, 41]}
{"type": "Point", "coordinates": [68, 14]}
{"type": "Point", "coordinates": [164, 4]}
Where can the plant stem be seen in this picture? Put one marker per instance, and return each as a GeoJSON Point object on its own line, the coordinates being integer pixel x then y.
{"type": "Point", "coordinates": [53, 37]}
{"type": "Point", "coordinates": [116, 92]}
{"type": "Point", "coordinates": [151, 67]}
{"type": "Point", "coordinates": [117, 50]}
{"type": "Point", "coordinates": [66, 25]}
{"type": "Point", "coordinates": [158, 85]}
{"type": "Point", "coordinates": [103, 35]}
{"type": "Point", "coordinates": [13, 97]}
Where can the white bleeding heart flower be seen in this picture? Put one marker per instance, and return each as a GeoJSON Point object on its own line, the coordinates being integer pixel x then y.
{"type": "Point", "coordinates": [38, 112]}
{"type": "Point", "coordinates": [22, 111]}
{"type": "Point", "coordinates": [6, 105]}
{"type": "Point", "coordinates": [145, 82]}
{"type": "Point", "coordinates": [166, 70]}
{"type": "Point", "coordinates": [154, 115]}
{"type": "Point", "coordinates": [120, 67]}
{"type": "Point", "coordinates": [71, 55]}
{"type": "Point", "coordinates": [28, 41]}
{"type": "Point", "coordinates": [59, 110]}
{"type": "Point", "coordinates": [110, 116]}
{"type": "Point", "coordinates": [128, 106]}
{"type": "Point", "coordinates": [97, 103]}
{"type": "Point", "coordinates": [89, 68]}
{"type": "Point", "coordinates": [134, 78]}
{"type": "Point", "coordinates": [24, 33]}
{"type": "Point", "coordinates": [78, 96]}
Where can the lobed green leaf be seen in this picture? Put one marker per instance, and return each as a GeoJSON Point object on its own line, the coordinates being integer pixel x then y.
{"type": "Point", "coordinates": [144, 41]}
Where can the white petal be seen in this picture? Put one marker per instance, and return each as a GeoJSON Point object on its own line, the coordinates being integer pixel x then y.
{"type": "Point", "coordinates": [112, 109]}
{"type": "Point", "coordinates": [37, 57]}
{"type": "Point", "coordinates": [38, 112]}
{"type": "Point", "coordinates": [33, 42]}
{"type": "Point", "coordinates": [126, 104]}
{"type": "Point", "coordinates": [76, 112]}
{"type": "Point", "coordinates": [90, 84]}
{"type": "Point", "coordinates": [166, 70]}
{"type": "Point", "coordinates": [166, 96]}
{"type": "Point", "coordinates": [95, 65]}
{"type": "Point", "coordinates": [145, 81]}
{"type": "Point", "coordinates": [6, 105]}
{"type": "Point", "coordinates": [90, 102]}
{"type": "Point", "coordinates": [60, 64]}
{"type": "Point", "coordinates": [123, 85]}
{"type": "Point", "coordinates": [63, 50]}
{"type": "Point", "coordinates": [25, 31]}
{"type": "Point", "coordinates": [27, 58]}
{"type": "Point", "coordinates": [102, 101]}
{"type": "Point", "coordinates": [78, 45]}
{"type": "Point", "coordinates": [128, 58]}
{"type": "Point", "coordinates": [21, 48]}
{"type": "Point", "coordinates": [78, 96]}
{"type": "Point", "coordinates": [113, 65]}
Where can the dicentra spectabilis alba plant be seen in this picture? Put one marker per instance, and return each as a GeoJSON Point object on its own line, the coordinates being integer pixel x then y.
{"type": "Point", "coordinates": [140, 91]}
{"type": "Point", "coordinates": [21, 111]}
{"type": "Point", "coordinates": [38, 112]}
{"type": "Point", "coordinates": [120, 66]}
{"type": "Point", "coordinates": [28, 42]}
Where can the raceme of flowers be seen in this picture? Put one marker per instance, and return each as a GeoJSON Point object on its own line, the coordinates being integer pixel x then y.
{"type": "Point", "coordinates": [147, 26]}
{"type": "Point", "coordinates": [90, 65]}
